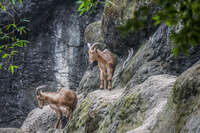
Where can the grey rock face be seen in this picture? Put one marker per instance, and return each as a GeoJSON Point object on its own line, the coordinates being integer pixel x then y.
{"type": "Point", "coordinates": [182, 112]}
{"type": "Point", "coordinates": [90, 81]}
{"type": "Point", "coordinates": [155, 57]}
{"type": "Point", "coordinates": [156, 92]}
{"type": "Point", "coordinates": [93, 32]}
{"type": "Point", "coordinates": [10, 130]}
{"type": "Point", "coordinates": [56, 56]}
{"type": "Point", "coordinates": [39, 120]}
{"type": "Point", "coordinates": [116, 15]}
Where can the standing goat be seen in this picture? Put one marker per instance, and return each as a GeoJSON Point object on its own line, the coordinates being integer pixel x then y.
{"type": "Point", "coordinates": [63, 102]}
{"type": "Point", "coordinates": [106, 62]}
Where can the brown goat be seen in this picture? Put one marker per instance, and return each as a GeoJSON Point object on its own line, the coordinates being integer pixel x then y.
{"type": "Point", "coordinates": [106, 62]}
{"type": "Point", "coordinates": [63, 102]}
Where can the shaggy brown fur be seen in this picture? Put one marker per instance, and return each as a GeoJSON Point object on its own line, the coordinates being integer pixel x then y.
{"type": "Point", "coordinates": [106, 62]}
{"type": "Point", "coordinates": [63, 102]}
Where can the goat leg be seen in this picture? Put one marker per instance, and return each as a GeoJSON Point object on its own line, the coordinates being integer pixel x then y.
{"type": "Point", "coordinates": [68, 113]}
{"type": "Point", "coordinates": [104, 80]}
{"type": "Point", "coordinates": [110, 71]}
{"type": "Point", "coordinates": [109, 84]}
{"type": "Point", "coordinates": [101, 78]}
{"type": "Point", "coordinates": [105, 84]}
{"type": "Point", "coordinates": [59, 118]}
{"type": "Point", "coordinates": [61, 123]}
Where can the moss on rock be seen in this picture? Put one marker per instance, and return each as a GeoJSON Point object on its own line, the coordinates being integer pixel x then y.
{"type": "Point", "coordinates": [183, 103]}
{"type": "Point", "coordinates": [186, 96]}
{"type": "Point", "coordinates": [80, 117]}
{"type": "Point", "coordinates": [124, 115]}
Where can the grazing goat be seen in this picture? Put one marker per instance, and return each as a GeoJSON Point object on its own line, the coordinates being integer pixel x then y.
{"type": "Point", "coordinates": [106, 62]}
{"type": "Point", "coordinates": [63, 102]}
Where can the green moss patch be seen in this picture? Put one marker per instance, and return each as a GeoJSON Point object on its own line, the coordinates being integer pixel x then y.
{"type": "Point", "coordinates": [124, 115]}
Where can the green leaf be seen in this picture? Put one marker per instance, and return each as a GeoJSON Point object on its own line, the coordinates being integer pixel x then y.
{"type": "Point", "coordinates": [13, 2]}
{"type": "Point", "coordinates": [2, 7]}
{"type": "Point", "coordinates": [20, 1]}
{"type": "Point", "coordinates": [2, 46]}
{"type": "Point", "coordinates": [12, 25]}
{"type": "Point", "coordinates": [26, 20]}
{"type": "Point", "coordinates": [156, 18]}
{"type": "Point", "coordinates": [5, 36]}
{"type": "Point", "coordinates": [14, 52]}
{"type": "Point", "coordinates": [175, 51]}
{"type": "Point", "coordinates": [12, 68]}
{"type": "Point", "coordinates": [0, 66]}
{"type": "Point", "coordinates": [6, 56]}
{"type": "Point", "coordinates": [85, 4]}
{"type": "Point", "coordinates": [81, 7]}
{"type": "Point", "coordinates": [81, 13]}
{"type": "Point", "coordinates": [22, 30]}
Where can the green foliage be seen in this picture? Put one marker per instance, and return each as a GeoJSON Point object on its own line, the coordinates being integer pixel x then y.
{"type": "Point", "coordinates": [11, 37]}
{"type": "Point", "coordinates": [184, 13]}
{"type": "Point", "coordinates": [86, 5]}
{"type": "Point", "coordinates": [137, 21]}
{"type": "Point", "coordinates": [174, 13]}
{"type": "Point", "coordinates": [12, 68]}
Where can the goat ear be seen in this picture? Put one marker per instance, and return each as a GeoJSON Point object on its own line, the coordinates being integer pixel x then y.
{"type": "Point", "coordinates": [89, 45]}
{"type": "Point", "coordinates": [38, 92]}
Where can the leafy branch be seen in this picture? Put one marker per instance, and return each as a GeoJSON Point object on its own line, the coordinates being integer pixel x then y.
{"type": "Point", "coordinates": [11, 37]}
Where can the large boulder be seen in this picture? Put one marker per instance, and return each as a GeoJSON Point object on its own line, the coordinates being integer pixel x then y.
{"type": "Point", "coordinates": [93, 32]}
{"type": "Point", "coordinates": [182, 113]}
{"type": "Point", "coordinates": [122, 110]}
{"type": "Point", "coordinates": [90, 81]}
{"type": "Point", "coordinates": [39, 120]}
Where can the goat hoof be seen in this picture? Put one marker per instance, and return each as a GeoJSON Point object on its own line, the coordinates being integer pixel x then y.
{"type": "Point", "coordinates": [109, 88]}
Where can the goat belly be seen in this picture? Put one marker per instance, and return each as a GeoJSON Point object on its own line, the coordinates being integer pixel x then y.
{"type": "Point", "coordinates": [62, 108]}
{"type": "Point", "coordinates": [53, 106]}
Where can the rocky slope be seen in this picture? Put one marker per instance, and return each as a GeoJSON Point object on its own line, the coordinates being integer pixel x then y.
{"type": "Point", "coordinates": [121, 110]}
{"type": "Point", "coordinates": [153, 91]}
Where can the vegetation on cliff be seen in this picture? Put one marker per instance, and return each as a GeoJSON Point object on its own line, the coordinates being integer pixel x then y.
{"type": "Point", "coordinates": [184, 15]}
{"type": "Point", "coordinates": [12, 35]}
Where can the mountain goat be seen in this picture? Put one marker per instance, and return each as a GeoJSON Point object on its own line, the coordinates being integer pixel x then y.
{"type": "Point", "coordinates": [106, 62]}
{"type": "Point", "coordinates": [63, 102]}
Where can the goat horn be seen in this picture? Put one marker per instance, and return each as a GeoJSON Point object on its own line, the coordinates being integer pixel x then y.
{"type": "Point", "coordinates": [38, 89]}
{"type": "Point", "coordinates": [89, 45]}
{"type": "Point", "coordinates": [94, 45]}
